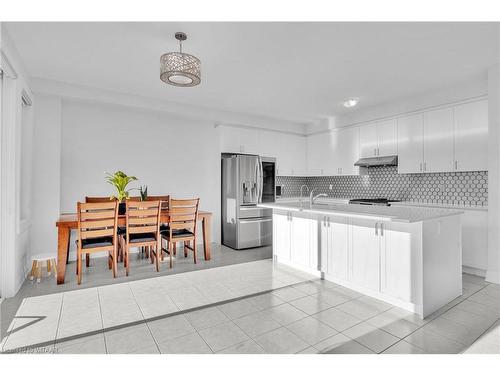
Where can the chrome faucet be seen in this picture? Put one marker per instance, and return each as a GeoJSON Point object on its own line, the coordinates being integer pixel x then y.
{"type": "Point", "coordinates": [303, 186]}
{"type": "Point", "coordinates": [312, 197]}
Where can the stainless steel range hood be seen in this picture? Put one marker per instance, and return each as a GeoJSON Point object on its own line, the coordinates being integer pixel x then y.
{"type": "Point", "coordinates": [381, 161]}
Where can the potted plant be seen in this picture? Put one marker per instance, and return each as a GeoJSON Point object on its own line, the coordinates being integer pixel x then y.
{"type": "Point", "coordinates": [120, 181]}
{"type": "Point", "coordinates": [143, 190]}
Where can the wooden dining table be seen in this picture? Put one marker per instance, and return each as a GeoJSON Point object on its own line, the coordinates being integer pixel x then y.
{"type": "Point", "coordinates": [69, 221]}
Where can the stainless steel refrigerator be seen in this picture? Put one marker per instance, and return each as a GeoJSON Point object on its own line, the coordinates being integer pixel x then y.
{"type": "Point", "coordinates": [246, 181]}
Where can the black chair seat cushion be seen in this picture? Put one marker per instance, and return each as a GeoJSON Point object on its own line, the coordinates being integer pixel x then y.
{"type": "Point", "coordinates": [141, 237]}
{"type": "Point", "coordinates": [164, 228]}
{"type": "Point", "coordinates": [121, 231]}
{"type": "Point", "coordinates": [176, 233]}
{"type": "Point", "coordinates": [91, 243]}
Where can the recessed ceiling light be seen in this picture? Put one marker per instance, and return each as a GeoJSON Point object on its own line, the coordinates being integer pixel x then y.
{"type": "Point", "coordinates": [351, 102]}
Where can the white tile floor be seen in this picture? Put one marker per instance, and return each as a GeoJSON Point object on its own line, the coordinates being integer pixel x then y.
{"type": "Point", "coordinates": [296, 314]}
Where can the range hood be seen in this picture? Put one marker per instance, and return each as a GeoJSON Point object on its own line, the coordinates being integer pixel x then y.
{"type": "Point", "coordinates": [380, 161]}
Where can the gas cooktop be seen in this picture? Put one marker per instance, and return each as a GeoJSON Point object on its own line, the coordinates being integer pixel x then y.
{"type": "Point", "coordinates": [373, 201]}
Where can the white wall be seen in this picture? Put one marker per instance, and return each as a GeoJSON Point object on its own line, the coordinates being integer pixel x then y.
{"type": "Point", "coordinates": [15, 230]}
{"type": "Point", "coordinates": [46, 185]}
{"type": "Point", "coordinates": [171, 154]}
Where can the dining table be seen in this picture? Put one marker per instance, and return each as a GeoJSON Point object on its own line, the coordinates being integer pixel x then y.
{"type": "Point", "coordinates": [69, 221]}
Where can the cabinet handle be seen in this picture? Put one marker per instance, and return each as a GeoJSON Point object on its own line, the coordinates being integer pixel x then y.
{"type": "Point", "coordinates": [456, 165]}
{"type": "Point", "coordinates": [381, 229]}
{"type": "Point", "coordinates": [376, 229]}
{"type": "Point", "coordinates": [375, 151]}
{"type": "Point", "coordinates": [425, 166]}
{"type": "Point", "coordinates": [328, 221]}
{"type": "Point", "coordinates": [420, 167]}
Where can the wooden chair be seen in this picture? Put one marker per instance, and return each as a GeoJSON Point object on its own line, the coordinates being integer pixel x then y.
{"type": "Point", "coordinates": [97, 231]}
{"type": "Point", "coordinates": [182, 227]}
{"type": "Point", "coordinates": [143, 229]}
{"type": "Point", "coordinates": [164, 206]}
{"type": "Point", "coordinates": [121, 230]}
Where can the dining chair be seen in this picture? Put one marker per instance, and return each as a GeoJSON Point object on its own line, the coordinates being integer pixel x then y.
{"type": "Point", "coordinates": [164, 206]}
{"type": "Point", "coordinates": [97, 231]}
{"type": "Point", "coordinates": [183, 215]}
{"type": "Point", "coordinates": [142, 229]}
{"type": "Point", "coordinates": [121, 230]}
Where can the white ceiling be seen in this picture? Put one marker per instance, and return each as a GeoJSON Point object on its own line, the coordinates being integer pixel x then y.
{"type": "Point", "coordinates": [294, 71]}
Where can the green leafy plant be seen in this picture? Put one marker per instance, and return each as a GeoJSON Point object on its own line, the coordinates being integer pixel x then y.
{"type": "Point", "coordinates": [120, 181]}
{"type": "Point", "coordinates": [143, 190]}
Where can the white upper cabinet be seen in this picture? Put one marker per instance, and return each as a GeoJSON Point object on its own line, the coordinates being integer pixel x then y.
{"type": "Point", "coordinates": [387, 135]}
{"type": "Point", "coordinates": [368, 141]}
{"type": "Point", "coordinates": [438, 141]}
{"type": "Point", "coordinates": [378, 139]}
{"type": "Point", "coordinates": [290, 154]}
{"type": "Point", "coordinates": [288, 149]}
{"type": "Point", "coordinates": [239, 140]}
{"type": "Point", "coordinates": [471, 136]}
{"type": "Point", "coordinates": [410, 144]}
{"type": "Point", "coordinates": [347, 150]}
{"type": "Point", "coordinates": [445, 139]}
{"type": "Point", "coordinates": [320, 157]}
{"type": "Point", "coordinates": [333, 153]}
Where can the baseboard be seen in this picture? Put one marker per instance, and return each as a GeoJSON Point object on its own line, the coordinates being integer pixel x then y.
{"type": "Point", "coordinates": [474, 271]}
{"type": "Point", "coordinates": [493, 277]}
{"type": "Point", "coordinates": [408, 306]}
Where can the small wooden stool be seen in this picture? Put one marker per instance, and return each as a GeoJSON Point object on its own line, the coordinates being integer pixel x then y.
{"type": "Point", "coordinates": [37, 264]}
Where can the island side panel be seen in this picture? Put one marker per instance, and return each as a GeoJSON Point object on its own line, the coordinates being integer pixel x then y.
{"type": "Point", "coordinates": [442, 262]}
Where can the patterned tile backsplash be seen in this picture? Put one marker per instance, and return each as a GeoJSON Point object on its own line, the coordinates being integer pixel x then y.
{"type": "Point", "coordinates": [466, 188]}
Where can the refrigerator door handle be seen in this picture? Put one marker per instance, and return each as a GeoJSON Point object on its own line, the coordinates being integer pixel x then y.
{"type": "Point", "coordinates": [256, 190]}
{"type": "Point", "coordinates": [260, 180]}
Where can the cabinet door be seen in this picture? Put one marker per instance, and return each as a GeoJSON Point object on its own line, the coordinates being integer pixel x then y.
{"type": "Point", "coordinates": [300, 245]}
{"type": "Point", "coordinates": [368, 140]}
{"type": "Point", "coordinates": [365, 254]}
{"type": "Point", "coordinates": [347, 150]}
{"type": "Point", "coordinates": [267, 143]}
{"type": "Point", "coordinates": [293, 158]}
{"type": "Point", "coordinates": [410, 144]}
{"type": "Point", "coordinates": [324, 243]}
{"type": "Point", "coordinates": [281, 236]}
{"type": "Point", "coordinates": [320, 157]}
{"type": "Point", "coordinates": [438, 140]}
{"type": "Point", "coordinates": [338, 247]}
{"type": "Point", "coordinates": [239, 140]}
{"type": "Point", "coordinates": [471, 136]}
{"type": "Point", "coordinates": [387, 135]}
{"type": "Point", "coordinates": [396, 262]}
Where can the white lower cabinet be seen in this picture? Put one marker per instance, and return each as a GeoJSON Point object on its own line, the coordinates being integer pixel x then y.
{"type": "Point", "coordinates": [396, 261]}
{"type": "Point", "coordinates": [400, 263]}
{"type": "Point", "coordinates": [281, 235]}
{"type": "Point", "coordinates": [365, 253]}
{"type": "Point", "coordinates": [296, 239]}
{"type": "Point", "coordinates": [334, 244]}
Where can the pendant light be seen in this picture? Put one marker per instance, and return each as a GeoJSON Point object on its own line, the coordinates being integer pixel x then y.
{"type": "Point", "coordinates": [179, 68]}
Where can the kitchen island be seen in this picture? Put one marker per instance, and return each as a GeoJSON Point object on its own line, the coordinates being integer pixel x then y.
{"type": "Point", "coordinates": [410, 257]}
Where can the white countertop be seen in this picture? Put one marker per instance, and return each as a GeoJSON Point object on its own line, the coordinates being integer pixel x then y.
{"type": "Point", "coordinates": [441, 205]}
{"type": "Point", "coordinates": [406, 214]}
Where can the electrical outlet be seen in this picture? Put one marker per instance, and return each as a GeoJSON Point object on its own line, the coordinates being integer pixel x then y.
{"type": "Point", "coordinates": [331, 187]}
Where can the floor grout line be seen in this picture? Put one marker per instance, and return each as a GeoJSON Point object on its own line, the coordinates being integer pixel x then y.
{"type": "Point", "coordinates": [244, 297]}
{"type": "Point", "coordinates": [147, 325]}
{"type": "Point", "coordinates": [102, 320]}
